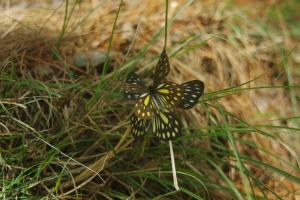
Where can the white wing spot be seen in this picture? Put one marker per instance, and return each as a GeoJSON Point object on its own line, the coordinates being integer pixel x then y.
{"type": "Point", "coordinates": [161, 85]}
{"type": "Point", "coordinates": [144, 94]}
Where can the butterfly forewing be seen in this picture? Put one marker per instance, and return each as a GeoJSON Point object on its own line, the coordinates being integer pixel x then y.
{"type": "Point", "coordinates": [162, 68]}
{"type": "Point", "coordinates": [144, 106]}
{"type": "Point", "coordinates": [139, 126]}
{"type": "Point", "coordinates": [191, 92]}
{"type": "Point", "coordinates": [134, 86]}
{"type": "Point", "coordinates": [166, 126]}
{"type": "Point", "coordinates": [167, 96]}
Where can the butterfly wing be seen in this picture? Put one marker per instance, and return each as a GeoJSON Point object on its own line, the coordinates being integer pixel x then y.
{"type": "Point", "coordinates": [139, 126]}
{"type": "Point", "coordinates": [134, 86]}
{"type": "Point", "coordinates": [167, 96]}
{"type": "Point", "coordinates": [144, 107]}
{"type": "Point", "coordinates": [162, 68]}
{"type": "Point", "coordinates": [192, 91]}
{"type": "Point", "coordinates": [166, 126]}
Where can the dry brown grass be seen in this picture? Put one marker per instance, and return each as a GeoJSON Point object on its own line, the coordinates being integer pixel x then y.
{"type": "Point", "coordinates": [238, 51]}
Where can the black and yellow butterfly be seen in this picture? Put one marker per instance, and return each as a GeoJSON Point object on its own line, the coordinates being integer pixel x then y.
{"type": "Point", "coordinates": [155, 104]}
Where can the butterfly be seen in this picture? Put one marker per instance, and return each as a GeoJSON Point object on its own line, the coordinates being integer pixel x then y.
{"type": "Point", "coordinates": [154, 105]}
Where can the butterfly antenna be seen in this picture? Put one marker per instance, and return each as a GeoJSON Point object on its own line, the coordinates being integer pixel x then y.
{"type": "Point", "coordinates": [173, 166]}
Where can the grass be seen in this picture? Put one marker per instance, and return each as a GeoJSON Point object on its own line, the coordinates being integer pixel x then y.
{"type": "Point", "coordinates": [65, 130]}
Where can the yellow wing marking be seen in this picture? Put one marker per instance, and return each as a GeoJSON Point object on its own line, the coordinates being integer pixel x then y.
{"type": "Point", "coordinates": [147, 99]}
{"type": "Point", "coordinates": [164, 91]}
{"type": "Point", "coordinates": [164, 118]}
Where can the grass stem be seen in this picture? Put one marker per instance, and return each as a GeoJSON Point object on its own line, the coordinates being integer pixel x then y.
{"type": "Point", "coordinates": [173, 166]}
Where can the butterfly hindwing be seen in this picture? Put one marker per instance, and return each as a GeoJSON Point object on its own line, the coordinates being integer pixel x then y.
{"type": "Point", "coordinates": [134, 86]}
{"type": "Point", "coordinates": [166, 126]}
{"type": "Point", "coordinates": [139, 126]}
{"type": "Point", "coordinates": [162, 68]}
{"type": "Point", "coordinates": [167, 96]}
{"type": "Point", "coordinates": [192, 91]}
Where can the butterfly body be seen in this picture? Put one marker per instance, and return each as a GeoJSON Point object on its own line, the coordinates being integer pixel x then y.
{"type": "Point", "coordinates": [155, 104]}
{"type": "Point", "coordinates": [152, 90]}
